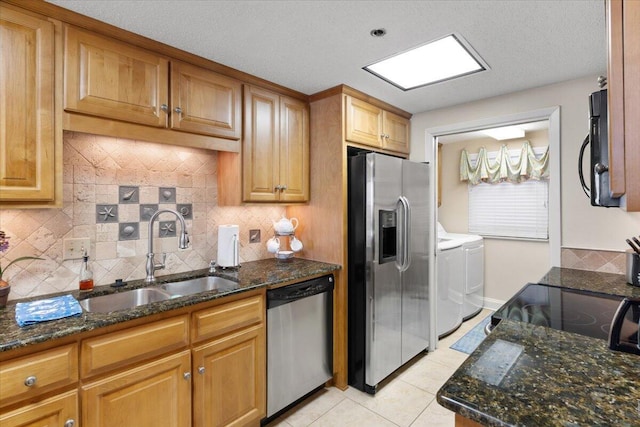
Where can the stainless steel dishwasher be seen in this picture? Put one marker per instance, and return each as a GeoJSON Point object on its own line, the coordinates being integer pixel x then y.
{"type": "Point", "coordinates": [299, 340]}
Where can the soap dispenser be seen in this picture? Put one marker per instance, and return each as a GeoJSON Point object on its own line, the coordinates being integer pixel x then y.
{"type": "Point", "coordinates": [86, 275]}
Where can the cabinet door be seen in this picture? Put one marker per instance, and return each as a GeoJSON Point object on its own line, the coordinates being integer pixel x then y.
{"type": "Point", "coordinates": [38, 373]}
{"type": "Point", "coordinates": [624, 100]}
{"type": "Point", "coordinates": [363, 122]}
{"type": "Point", "coordinates": [154, 394]}
{"type": "Point", "coordinates": [395, 130]}
{"type": "Point", "coordinates": [205, 102]}
{"type": "Point", "coordinates": [229, 382]}
{"type": "Point", "coordinates": [108, 78]}
{"type": "Point", "coordinates": [294, 150]}
{"type": "Point", "coordinates": [57, 411]}
{"type": "Point", "coordinates": [27, 128]}
{"type": "Point", "coordinates": [260, 148]}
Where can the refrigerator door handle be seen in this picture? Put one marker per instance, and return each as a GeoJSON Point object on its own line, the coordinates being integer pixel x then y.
{"type": "Point", "coordinates": [406, 235]}
{"type": "Point", "coordinates": [372, 308]}
{"type": "Point", "coordinates": [400, 235]}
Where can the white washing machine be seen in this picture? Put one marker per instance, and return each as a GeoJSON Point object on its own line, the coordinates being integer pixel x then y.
{"type": "Point", "coordinates": [450, 291]}
{"type": "Point", "coordinates": [473, 270]}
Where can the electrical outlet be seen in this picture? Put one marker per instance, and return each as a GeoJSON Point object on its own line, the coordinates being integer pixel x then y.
{"type": "Point", "coordinates": [254, 236]}
{"type": "Point", "coordinates": [72, 248]}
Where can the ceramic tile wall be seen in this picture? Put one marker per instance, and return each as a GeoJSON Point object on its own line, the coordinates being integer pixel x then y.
{"type": "Point", "coordinates": [585, 259]}
{"type": "Point", "coordinates": [94, 169]}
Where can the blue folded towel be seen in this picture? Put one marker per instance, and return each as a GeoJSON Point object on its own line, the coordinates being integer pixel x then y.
{"type": "Point", "coordinates": [28, 313]}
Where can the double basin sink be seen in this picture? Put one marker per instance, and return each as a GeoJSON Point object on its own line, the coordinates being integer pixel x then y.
{"type": "Point", "coordinates": [166, 291]}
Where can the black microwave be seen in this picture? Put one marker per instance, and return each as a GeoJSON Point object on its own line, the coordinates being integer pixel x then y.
{"type": "Point", "coordinates": [598, 139]}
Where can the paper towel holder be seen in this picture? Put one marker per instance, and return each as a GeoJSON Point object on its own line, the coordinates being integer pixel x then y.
{"type": "Point", "coordinates": [228, 256]}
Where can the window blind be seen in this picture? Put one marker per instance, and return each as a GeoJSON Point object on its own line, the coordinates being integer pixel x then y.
{"type": "Point", "coordinates": [512, 210]}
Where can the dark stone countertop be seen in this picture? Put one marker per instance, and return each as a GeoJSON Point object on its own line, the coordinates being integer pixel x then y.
{"type": "Point", "coordinates": [251, 275]}
{"type": "Point", "coordinates": [593, 281]}
{"type": "Point", "coordinates": [528, 375]}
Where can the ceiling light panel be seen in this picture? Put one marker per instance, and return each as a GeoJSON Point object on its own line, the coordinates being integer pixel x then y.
{"type": "Point", "coordinates": [506, 132]}
{"type": "Point", "coordinates": [443, 59]}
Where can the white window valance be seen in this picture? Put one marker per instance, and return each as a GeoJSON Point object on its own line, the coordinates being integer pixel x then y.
{"type": "Point", "coordinates": [505, 167]}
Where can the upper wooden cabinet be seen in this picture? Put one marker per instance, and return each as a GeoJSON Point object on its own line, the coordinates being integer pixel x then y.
{"type": "Point", "coordinates": [205, 102]}
{"type": "Point", "coordinates": [30, 132]}
{"type": "Point", "coordinates": [395, 129]}
{"type": "Point", "coordinates": [111, 79]}
{"type": "Point", "coordinates": [370, 125]}
{"type": "Point", "coordinates": [294, 150]}
{"type": "Point", "coordinates": [275, 148]}
{"type": "Point", "coordinates": [624, 100]}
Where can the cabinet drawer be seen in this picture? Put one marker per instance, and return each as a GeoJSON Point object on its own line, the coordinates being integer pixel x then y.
{"type": "Point", "coordinates": [59, 410]}
{"type": "Point", "coordinates": [226, 318]}
{"type": "Point", "coordinates": [113, 350]}
{"type": "Point", "coordinates": [45, 371]}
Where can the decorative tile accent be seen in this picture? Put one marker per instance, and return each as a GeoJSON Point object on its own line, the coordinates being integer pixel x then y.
{"type": "Point", "coordinates": [106, 213]}
{"type": "Point", "coordinates": [129, 231]}
{"type": "Point", "coordinates": [186, 210]}
{"type": "Point", "coordinates": [167, 194]}
{"type": "Point", "coordinates": [128, 194]}
{"type": "Point", "coordinates": [146, 211]}
{"type": "Point", "coordinates": [167, 229]}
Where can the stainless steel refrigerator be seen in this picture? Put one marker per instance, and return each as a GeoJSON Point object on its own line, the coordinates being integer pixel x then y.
{"type": "Point", "coordinates": [389, 250]}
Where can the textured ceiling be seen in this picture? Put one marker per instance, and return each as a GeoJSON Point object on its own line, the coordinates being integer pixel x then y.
{"type": "Point", "coordinates": [310, 46]}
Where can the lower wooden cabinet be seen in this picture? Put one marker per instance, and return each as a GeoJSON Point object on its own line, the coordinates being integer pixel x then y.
{"type": "Point", "coordinates": [157, 393]}
{"type": "Point", "coordinates": [202, 367]}
{"type": "Point", "coordinates": [60, 410]}
{"type": "Point", "coordinates": [229, 380]}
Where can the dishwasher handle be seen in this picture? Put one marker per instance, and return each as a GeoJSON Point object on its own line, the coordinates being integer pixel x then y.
{"type": "Point", "coordinates": [291, 293]}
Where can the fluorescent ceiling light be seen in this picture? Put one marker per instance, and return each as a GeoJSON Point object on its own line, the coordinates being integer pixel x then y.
{"type": "Point", "coordinates": [434, 62]}
{"type": "Point", "coordinates": [507, 132]}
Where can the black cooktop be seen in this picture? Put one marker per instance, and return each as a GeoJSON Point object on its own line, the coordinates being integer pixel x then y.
{"type": "Point", "coordinates": [570, 310]}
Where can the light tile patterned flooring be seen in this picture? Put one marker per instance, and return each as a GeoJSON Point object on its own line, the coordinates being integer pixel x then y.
{"type": "Point", "coordinates": [407, 399]}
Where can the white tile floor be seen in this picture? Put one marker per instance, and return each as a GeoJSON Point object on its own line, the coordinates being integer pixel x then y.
{"type": "Point", "coordinates": [408, 399]}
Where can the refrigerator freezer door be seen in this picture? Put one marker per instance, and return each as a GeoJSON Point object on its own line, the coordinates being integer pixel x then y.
{"type": "Point", "coordinates": [383, 284]}
{"type": "Point", "coordinates": [415, 279]}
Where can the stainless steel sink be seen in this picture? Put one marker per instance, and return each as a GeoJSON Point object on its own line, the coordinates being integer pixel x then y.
{"type": "Point", "coordinates": [137, 297]}
{"type": "Point", "coordinates": [197, 285]}
{"type": "Point", "coordinates": [124, 300]}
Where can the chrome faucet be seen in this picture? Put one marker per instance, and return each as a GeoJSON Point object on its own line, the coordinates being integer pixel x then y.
{"type": "Point", "coordinates": [183, 244]}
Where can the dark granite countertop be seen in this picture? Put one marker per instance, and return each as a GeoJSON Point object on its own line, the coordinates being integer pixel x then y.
{"type": "Point", "coordinates": [528, 375]}
{"type": "Point", "coordinates": [251, 275]}
{"type": "Point", "coordinates": [593, 281]}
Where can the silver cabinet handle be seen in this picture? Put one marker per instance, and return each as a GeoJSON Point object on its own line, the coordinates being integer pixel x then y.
{"type": "Point", "coordinates": [187, 375]}
{"type": "Point", "coordinates": [201, 370]}
{"type": "Point", "coordinates": [278, 187]}
{"type": "Point", "coordinates": [30, 381]}
{"type": "Point", "coordinates": [178, 110]}
{"type": "Point", "coordinates": [165, 108]}
{"type": "Point", "coordinates": [69, 423]}
{"type": "Point", "coordinates": [284, 187]}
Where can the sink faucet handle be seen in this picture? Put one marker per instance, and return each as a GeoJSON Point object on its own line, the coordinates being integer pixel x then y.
{"type": "Point", "coordinates": [212, 266]}
{"type": "Point", "coordinates": [160, 265]}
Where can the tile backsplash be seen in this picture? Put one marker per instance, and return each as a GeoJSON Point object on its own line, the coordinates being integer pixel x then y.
{"type": "Point", "coordinates": [100, 172]}
{"type": "Point", "coordinates": [594, 260]}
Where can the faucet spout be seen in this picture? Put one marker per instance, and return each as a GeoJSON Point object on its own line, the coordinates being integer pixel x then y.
{"type": "Point", "coordinates": [151, 265]}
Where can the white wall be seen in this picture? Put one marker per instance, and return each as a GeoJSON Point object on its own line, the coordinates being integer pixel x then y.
{"type": "Point", "coordinates": [583, 226]}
